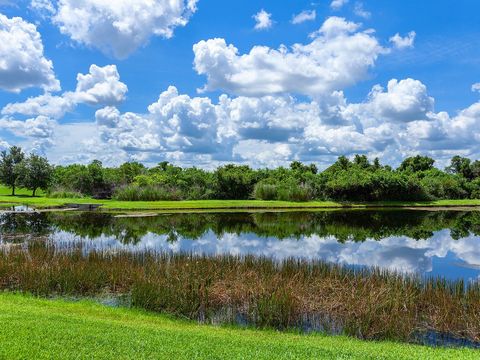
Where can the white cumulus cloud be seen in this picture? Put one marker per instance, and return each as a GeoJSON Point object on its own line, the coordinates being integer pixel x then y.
{"type": "Point", "coordinates": [394, 121]}
{"type": "Point", "coordinates": [476, 87]}
{"type": "Point", "coordinates": [263, 20]}
{"type": "Point", "coordinates": [118, 27]}
{"type": "Point", "coordinates": [338, 4]}
{"type": "Point", "coordinates": [306, 15]}
{"type": "Point", "coordinates": [338, 56]}
{"type": "Point", "coordinates": [403, 101]}
{"type": "Point", "coordinates": [100, 87]}
{"type": "Point", "coordinates": [39, 127]}
{"type": "Point", "coordinates": [22, 60]}
{"type": "Point", "coordinates": [404, 42]}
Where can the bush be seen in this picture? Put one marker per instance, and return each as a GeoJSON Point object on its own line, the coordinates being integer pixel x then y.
{"type": "Point", "coordinates": [264, 191]}
{"type": "Point", "coordinates": [357, 184]}
{"type": "Point", "coordinates": [293, 192]}
{"type": "Point", "coordinates": [439, 185]}
{"type": "Point", "coordinates": [146, 193]}
{"type": "Point", "coordinates": [475, 189]}
{"type": "Point", "coordinates": [65, 194]}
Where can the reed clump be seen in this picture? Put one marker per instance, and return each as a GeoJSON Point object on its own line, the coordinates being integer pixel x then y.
{"type": "Point", "coordinates": [369, 304]}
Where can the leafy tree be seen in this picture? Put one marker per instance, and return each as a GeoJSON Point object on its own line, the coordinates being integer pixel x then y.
{"type": "Point", "coordinates": [361, 161]}
{"type": "Point", "coordinates": [129, 170]}
{"type": "Point", "coordinates": [299, 167]}
{"type": "Point", "coordinates": [234, 182]}
{"type": "Point", "coordinates": [416, 164]}
{"type": "Point", "coordinates": [462, 166]}
{"type": "Point", "coordinates": [11, 167]}
{"type": "Point", "coordinates": [72, 177]}
{"type": "Point", "coordinates": [37, 173]}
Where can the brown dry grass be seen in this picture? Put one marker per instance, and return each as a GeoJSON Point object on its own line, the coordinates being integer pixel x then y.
{"type": "Point", "coordinates": [369, 304]}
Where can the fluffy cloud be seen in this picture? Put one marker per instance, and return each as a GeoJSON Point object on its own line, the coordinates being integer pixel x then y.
{"type": "Point", "coordinates": [404, 101]}
{"type": "Point", "coordinates": [45, 105]}
{"type": "Point", "coordinates": [22, 61]}
{"type": "Point", "coordinates": [129, 131]}
{"type": "Point", "coordinates": [394, 121]}
{"type": "Point", "coordinates": [306, 15]}
{"type": "Point", "coordinates": [44, 7]}
{"type": "Point", "coordinates": [38, 131]}
{"type": "Point", "coordinates": [338, 4]}
{"type": "Point", "coordinates": [338, 56]}
{"type": "Point", "coordinates": [175, 123]}
{"type": "Point", "coordinates": [262, 152]}
{"type": "Point", "coordinates": [403, 42]}
{"type": "Point", "coordinates": [100, 87]}
{"type": "Point", "coordinates": [263, 20]}
{"type": "Point", "coordinates": [39, 127]}
{"type": "Point", "coordinates": [269, 130]}
{"type": "Point", "coordinates": [119, 27]}
{"type": "Point", "coordinates": [476, 87]}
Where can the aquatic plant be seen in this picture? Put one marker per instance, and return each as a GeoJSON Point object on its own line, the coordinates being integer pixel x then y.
{"type": "Point", "coordinates": [366, 303]}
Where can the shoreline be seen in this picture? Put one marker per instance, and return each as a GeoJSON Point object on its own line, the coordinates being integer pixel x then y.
{"type": "Point", "coordinates": [43, 203]}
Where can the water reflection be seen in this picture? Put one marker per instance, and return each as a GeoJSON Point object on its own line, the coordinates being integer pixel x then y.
{"type": "Point", "coordinates": [442, 243]}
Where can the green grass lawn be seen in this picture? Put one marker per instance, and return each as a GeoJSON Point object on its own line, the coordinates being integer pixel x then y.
{"type": "Point", "coordinates": [41, 329]}
{"type": "Point", "coordinates": [20, 192]}
{"type": "Point", "coordinates": [41, 201]}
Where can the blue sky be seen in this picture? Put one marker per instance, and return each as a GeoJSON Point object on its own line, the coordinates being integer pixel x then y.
{"type": "Point", "coordinates": [272, 111]}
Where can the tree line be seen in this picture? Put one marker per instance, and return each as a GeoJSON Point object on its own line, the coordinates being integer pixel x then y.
{"type": "Point", "coordinates": [356, 179]}
{"type": "Point", "coordinates": [31, 172]}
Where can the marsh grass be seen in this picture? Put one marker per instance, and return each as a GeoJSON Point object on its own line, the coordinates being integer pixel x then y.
{"type": "Point", "coordinates": [368, 304]}
{"type": "Point", "coordinates": [147, 193]}
{"type": "Point", "coordinates": [65, 194]}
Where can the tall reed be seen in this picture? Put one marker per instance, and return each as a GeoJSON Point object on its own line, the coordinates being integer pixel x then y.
{"type": "Point", "coordinates": [369, 304]}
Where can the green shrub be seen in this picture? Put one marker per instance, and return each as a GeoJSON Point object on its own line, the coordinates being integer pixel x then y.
{"type": "Point", "coordinates": [293, 192]}
{"type": "Point", "coordinates": [146, 193]}
{"type": "Point", "coordinates": [65, 194]}
{"type": "Point", "coordinates": [440, 185]}
{"type": "Point", "coordinates": [263, 191]}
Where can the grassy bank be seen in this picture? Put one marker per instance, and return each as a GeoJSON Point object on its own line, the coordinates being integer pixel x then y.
{"type": "Point", "coordinates": [66, 330]}
{"type": "Point", "coordinates": [291, 294]}
{"type": "Point", "coordinates": [44, 202]}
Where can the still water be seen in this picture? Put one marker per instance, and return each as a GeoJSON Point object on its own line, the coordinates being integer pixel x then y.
{"type": "Point", "coordinates": [426, 243]}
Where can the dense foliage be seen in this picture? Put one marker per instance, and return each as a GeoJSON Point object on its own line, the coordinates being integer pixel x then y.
{"type": "Point", "coordinates": [356, 179]}
{"type": "Point", "coordinates": [17, 170]}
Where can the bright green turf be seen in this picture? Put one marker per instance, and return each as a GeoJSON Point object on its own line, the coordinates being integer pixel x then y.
{"type": "Point", "coordinates": [21, 192]}
{"type": "Point", "coordinates": [55, 329]}
{"type": "Point", "coordinates": [43, 202]}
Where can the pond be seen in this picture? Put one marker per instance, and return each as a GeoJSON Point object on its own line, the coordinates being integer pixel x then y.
{"type": "Point", "coordinates": [427, 243]}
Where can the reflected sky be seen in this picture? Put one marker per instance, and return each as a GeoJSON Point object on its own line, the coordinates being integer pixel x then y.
{"type": "Point", "coordinates": [437, 253]}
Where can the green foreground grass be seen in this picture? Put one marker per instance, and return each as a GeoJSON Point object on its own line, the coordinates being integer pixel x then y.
{"type": "Point", "coordinates": [41, 201]}
{"type": "Point", "coordinates": [39, 328]}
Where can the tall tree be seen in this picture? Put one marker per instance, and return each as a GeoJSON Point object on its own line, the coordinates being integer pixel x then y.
{"type": "Point", "coordinates": [417, 163]}
{"type": "Point", "coordinates": [11, 167]}
{"type": "Point", "coordinates": [462, 166]}
{"type": "Point", "coordinates": [37, 173]}
{"type": "Point", "coordinates": [361, 161]}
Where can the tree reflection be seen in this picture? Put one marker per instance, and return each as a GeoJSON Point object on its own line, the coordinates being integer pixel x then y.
{"type": "Point", "coordinates": [354, 225]}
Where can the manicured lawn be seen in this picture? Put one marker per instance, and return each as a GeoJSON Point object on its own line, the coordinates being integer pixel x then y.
{"type": "Point", "coordinates": [43, 202]}
{"type": "Point", "coordinates": [41, 329]}
{"type": "Point", "coordinates": [22, 192]}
